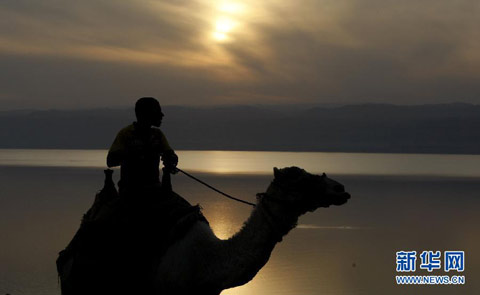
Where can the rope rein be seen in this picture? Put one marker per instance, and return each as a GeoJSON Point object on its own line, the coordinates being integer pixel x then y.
{"type": "Point", "coordinates": [277, 232]}
{"type": "Point", "coordinates": [218, 191]}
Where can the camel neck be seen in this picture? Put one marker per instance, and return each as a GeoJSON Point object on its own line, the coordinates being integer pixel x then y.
{"type": "Point", "coordinates": [250, 249]}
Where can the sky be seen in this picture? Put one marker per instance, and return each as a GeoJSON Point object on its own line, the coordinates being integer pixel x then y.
{"type": "Point", "coordinates": [106, 53]}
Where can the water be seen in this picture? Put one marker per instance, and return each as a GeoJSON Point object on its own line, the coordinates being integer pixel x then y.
{"type": "Point", "coordinates": [234, 162]}
{"type": "Point", "coordinates": [410, 202]}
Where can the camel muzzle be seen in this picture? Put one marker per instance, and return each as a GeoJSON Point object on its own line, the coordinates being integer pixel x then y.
{"type": "Point", "coordinates": [336, 190]}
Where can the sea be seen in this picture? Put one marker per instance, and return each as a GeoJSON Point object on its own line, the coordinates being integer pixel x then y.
{"type": "Point", "coordinates": [399, 203]}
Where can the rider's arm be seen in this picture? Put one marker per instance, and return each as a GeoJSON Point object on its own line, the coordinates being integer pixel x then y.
{"type": "Point", "coordinates": [163, 143]}
{"type": "Point", "coordinates": [169, 158]}
{"type": "Point", "coordinates": [159, 142]}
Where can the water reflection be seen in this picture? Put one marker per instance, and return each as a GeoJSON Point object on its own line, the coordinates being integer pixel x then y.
{"type": "Point", "coordinates": [235, 162]}
{"type": "Point", "coordinates": [338, 250]}
{"type": "Point", "coordinates": [224, 226]}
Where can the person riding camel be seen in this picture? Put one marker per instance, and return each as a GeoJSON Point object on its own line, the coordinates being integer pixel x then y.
{"type": "Point", "coordinates": [138, 147]}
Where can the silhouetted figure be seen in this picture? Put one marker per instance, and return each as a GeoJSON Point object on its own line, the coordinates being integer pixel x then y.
{"type": "Point", "coordinates": [123, 236]}
{"type": "Point", "coordinates": [138, 148]}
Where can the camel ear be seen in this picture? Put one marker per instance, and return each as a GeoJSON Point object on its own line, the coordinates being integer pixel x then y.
{"type": "Point", "coordinates": [276, 172]}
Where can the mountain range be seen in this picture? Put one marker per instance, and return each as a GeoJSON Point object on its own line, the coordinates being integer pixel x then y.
{"type": "Point", "coordinates": [442, 128]}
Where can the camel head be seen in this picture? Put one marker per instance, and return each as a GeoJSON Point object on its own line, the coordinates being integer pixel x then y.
{"type": "Point", "coordinates": [303, 192]}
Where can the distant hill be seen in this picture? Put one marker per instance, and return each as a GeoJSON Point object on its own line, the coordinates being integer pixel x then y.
{"type": "Point", "coordinates": [443, 128]}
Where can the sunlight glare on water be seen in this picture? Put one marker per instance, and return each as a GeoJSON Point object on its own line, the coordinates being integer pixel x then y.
{"type": "Point", "coordinates": [253, 162]}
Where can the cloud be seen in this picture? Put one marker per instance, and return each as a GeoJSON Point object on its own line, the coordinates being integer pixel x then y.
{"type": "Point", "coordinates": [70, 26]}
{"type": "Point", "coordinates": [104, 52]}
{"type": "Point", "coordinates": [372, 51]}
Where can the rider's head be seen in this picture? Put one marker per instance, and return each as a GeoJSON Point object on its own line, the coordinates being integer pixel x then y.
{"type": "Point", "coordinates": [148, 111]}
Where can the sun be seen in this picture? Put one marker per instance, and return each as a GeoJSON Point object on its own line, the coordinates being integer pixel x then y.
{"type": "Point", "coordinates": [223, 27]}
{"type": "Point", "coordinates": [220, 36]}
{"type": "Point", "coordinates": [226, 21]}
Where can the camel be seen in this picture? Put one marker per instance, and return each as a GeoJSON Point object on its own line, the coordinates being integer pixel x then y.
{"type": "Point", "coordinates": [201, 263]}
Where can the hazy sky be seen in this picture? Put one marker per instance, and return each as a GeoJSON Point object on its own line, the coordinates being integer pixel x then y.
{"type": "Point", "coordinates": [89, 53]}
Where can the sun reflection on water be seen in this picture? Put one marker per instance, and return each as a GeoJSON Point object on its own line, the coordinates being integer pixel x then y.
{"type": "Point", "coordinates": [221, 219]}
{"type": "Point", "coordinates": [245, 162]}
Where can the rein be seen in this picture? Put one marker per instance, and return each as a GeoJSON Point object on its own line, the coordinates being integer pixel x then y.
{"type": "Point", "coordinates": [278, 232]}
{"type": "Point", "coordinates": [218, 191]}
